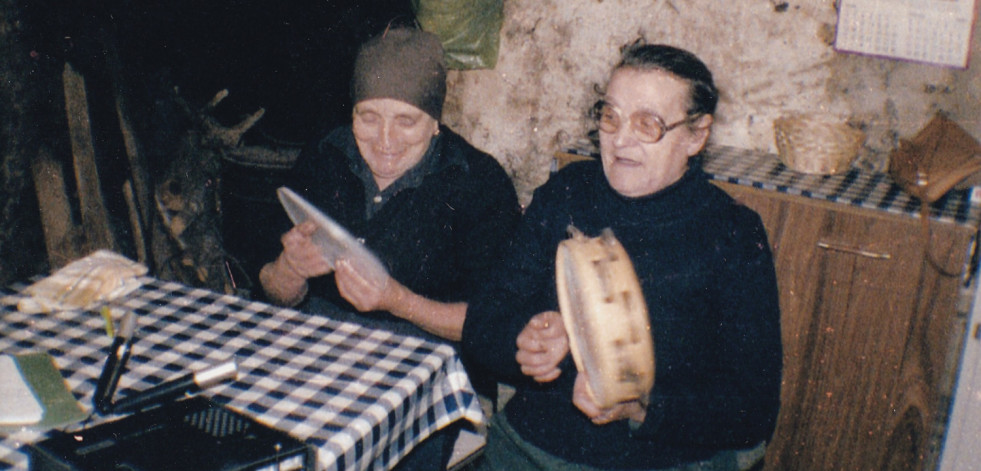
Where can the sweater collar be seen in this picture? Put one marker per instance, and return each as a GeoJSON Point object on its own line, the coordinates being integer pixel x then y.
{"type": "Point", "coordinates": [678, 198]}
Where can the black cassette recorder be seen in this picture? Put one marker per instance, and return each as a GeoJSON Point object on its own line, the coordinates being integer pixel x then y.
{"type": "Point", "coordinates": [193, 434]}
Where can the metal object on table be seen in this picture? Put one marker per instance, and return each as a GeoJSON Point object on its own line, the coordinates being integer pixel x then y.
{"type": "Point", "coordinates": [193, 433]}
{"type": "Point", "coordinates": [333, 240]}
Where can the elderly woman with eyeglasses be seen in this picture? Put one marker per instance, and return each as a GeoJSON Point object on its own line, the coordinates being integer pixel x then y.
{"type": "Point", "coordinates": [706, 272]}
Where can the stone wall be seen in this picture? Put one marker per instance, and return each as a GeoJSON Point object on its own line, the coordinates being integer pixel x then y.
{"type": "Point", "coordinates": [769, 59]}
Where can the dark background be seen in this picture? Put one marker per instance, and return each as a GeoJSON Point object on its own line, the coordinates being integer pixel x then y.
{"type": "Point", "coordinates": [291, 58]}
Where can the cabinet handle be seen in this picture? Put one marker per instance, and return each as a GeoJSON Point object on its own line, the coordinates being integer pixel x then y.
{"type": "Point", "coordinates": [853, 250]}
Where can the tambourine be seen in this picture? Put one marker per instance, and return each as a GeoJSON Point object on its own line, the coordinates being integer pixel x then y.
{"type": "Point", "coordinates": [605, 317]}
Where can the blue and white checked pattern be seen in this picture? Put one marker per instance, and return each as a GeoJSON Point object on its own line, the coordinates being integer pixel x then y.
{"type": "Point", "coordinates": [362, 397]}
{"type": "Point", "coordinates": [856, 187]}
{"type": "Point", "coordinates": [870, 190]}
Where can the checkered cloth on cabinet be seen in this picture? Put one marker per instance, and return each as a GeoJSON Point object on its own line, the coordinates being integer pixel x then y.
{"type": "Point", "coordinates": [855, 187]}
{"type": "Point", "coordinates": [363, 398]}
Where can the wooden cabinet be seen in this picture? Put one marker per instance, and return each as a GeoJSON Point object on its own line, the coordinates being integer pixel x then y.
{"type": "Point", "coordinates": [871, 332]}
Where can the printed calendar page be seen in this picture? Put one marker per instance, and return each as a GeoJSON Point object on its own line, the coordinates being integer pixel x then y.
{"type": "Point", "coordinates": [930, 31]}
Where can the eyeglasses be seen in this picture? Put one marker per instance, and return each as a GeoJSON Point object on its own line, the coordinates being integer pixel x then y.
{"type": "Point", "coordinates": [646, 126]}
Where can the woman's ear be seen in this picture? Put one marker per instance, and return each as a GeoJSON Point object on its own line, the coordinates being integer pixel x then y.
{"type": "Point", "coordinates": [700, 131]}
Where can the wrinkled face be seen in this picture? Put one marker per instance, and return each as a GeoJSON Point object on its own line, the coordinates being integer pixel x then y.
{"type": "Point", "coordinates": [635, 168]}
{"type": "Point", "coordinates": [392, 136]}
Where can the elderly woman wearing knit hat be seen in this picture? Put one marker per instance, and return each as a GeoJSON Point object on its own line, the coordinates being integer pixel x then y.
{"type": "Point", "coordinates": [434, 209]}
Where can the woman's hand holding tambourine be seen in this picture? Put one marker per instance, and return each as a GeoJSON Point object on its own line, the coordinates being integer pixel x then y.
{"type": "Point", "coordinates": [542, 345]}
{"type": "Point", "coordinates": [583, 398]}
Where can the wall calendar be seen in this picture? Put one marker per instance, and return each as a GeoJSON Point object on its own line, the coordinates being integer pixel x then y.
{"type": "Point", "coordinates": [929, 31]}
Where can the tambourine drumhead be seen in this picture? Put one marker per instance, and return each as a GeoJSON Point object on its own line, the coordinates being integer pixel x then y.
{"type": "Point", "coordinates": [605, 316]}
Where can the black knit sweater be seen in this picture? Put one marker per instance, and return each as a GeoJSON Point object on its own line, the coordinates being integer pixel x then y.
{"type": "Point", "coordinates": [708, 278]}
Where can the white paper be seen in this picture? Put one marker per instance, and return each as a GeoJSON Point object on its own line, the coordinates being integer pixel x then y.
{"type": "Point", "coordinates": [930, 31]}
{"type": "Point", "coordinates": [19, 406]}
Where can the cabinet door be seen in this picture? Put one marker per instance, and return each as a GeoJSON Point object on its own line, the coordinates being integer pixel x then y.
{"type": "Point", "coordinates": [871, 334]}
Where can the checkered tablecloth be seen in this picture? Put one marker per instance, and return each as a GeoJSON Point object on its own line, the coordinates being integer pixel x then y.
{"type": "Point", "coordinates": [362, 397]}
{"type": "Point", "coordinates": [856, 187]}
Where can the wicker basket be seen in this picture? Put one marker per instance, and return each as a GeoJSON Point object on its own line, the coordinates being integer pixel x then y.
{"type": "Point", "coordinates": [815, 145]}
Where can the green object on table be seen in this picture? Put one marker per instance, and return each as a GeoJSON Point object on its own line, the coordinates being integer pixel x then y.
{"type": "Point", "coordinates": [45, 380]}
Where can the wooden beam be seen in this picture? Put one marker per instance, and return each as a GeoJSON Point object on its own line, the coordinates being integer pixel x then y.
{"type": "Point", "coordinates": [95, 217]}
{"type": "Point", "coordinates": [55, 209]}
{"type": "Point", "coordinates": [135, 222]}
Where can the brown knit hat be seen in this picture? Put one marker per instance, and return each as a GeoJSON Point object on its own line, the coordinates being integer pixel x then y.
{"type": "Point", "coordinates": [404, 64]}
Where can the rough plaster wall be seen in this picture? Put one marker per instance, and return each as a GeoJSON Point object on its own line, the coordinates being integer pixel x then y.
{"type": "Point", "coordinates": [769, 59]}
